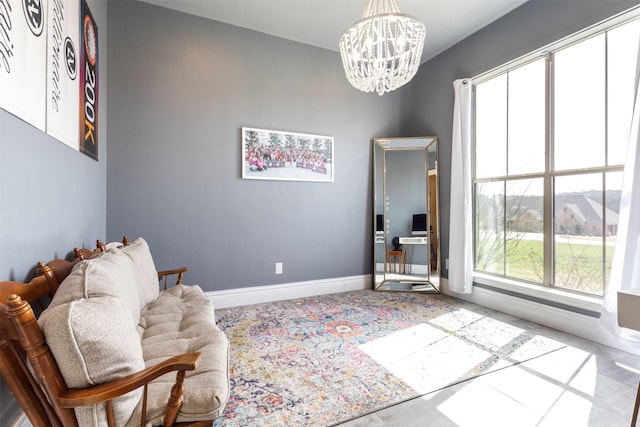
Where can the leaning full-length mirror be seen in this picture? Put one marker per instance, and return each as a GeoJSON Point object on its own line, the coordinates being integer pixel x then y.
{"type": "Point", "coordinates": [406, 214]}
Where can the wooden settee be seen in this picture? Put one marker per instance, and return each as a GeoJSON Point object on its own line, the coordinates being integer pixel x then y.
{"type": "Point", "coordinates": [110, 348]}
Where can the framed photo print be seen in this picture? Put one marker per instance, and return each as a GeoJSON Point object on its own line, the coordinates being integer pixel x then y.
{"type": "Point", "coordinates": [286, 156]}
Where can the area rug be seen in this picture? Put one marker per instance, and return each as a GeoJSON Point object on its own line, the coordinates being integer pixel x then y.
{"type": "Point", "coordinates": [321, 361]}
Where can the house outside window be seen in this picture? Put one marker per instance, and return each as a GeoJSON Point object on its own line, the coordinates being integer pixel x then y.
{"type": "Point", "coordinates": [551, 132]}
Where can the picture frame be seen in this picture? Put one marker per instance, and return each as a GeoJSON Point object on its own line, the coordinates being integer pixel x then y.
{"type": "Point", "coordinates": [286, 156]}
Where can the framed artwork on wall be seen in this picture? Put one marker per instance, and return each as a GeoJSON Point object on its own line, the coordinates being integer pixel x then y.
{"type": "Point", "coordinates": [49, 69]}
{"type": "Point", "coordinates": [286, 156]}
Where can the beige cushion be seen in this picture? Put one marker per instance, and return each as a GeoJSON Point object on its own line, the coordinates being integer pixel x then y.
{"type": "Point", "coordinates": [113, 245]}
{"type": "Point", "coordinates": [106, 274]}
{"type": "Point", "coordinates": [93, 341]}
{"type": "Point", "coordinates": [90, 327]}
{"type": "Point", "coordinates": [181, 320]}
{"type": "Point", "coordinates": [144, 270]}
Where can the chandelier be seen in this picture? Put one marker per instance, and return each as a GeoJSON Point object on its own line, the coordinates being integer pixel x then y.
{"type": "Point", "coordinates": [382, 50]}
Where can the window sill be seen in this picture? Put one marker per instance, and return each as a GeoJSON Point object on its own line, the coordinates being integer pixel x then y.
{"type": "Point", "coordinates": [551, 296]}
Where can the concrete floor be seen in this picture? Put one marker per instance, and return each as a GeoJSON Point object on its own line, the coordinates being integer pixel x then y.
{"type": "Point", "coordinates": [583, 384]}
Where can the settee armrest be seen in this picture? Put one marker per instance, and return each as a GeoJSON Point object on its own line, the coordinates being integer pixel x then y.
{"type": "Point", "coordinates": [106, 392]}
{"type": "Point", "coordinates": [166, 273]}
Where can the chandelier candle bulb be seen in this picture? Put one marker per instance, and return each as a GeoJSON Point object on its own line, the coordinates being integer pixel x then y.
{"type": "Point", "coordinates": [382, 51]}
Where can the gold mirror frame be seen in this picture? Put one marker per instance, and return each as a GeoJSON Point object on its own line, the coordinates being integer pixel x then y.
{"type": "Point", "coordinates": [406, 207]}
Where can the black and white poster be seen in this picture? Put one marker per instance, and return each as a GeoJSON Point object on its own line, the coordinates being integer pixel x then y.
{"type": "Point", "coordinates": [23, 54]}
{"type": "Point", "coordinates": [62, 71]}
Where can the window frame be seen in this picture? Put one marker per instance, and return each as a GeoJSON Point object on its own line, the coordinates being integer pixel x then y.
{"type": "Point", "coordinates": [546, 291]}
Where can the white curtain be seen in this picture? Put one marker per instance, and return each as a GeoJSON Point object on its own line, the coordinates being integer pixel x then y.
{"type": "Point", "coordinates": [460, 208]}
{"type": "Point", "coordinates": [625, 268]}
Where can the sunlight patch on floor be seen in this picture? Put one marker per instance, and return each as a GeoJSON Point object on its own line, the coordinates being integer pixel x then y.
{"type": "Point", "coordinates": [553, 390]}
{"type": "Point", "coordinates": [455, 346]}
{"type": "Point", "coordinates": [628, 368]}
{"type": "Point", "coordinates": [545, 383]}
{"type": "Point", "coordinates": [425, 357]}
{"type": "Point", "coordinates": [522, 397]}
{"type": "Point", "coordinates": [469, 407]}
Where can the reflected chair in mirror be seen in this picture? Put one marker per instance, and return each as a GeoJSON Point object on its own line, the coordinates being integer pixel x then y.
{"type": "Point", "coordinates": [396, 256]}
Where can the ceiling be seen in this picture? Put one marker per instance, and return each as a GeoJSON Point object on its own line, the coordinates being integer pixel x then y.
{"type": "Point", "coordinates": [321, 22]}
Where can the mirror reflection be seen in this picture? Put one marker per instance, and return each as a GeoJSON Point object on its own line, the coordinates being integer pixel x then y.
{"type": "Point", "coordinates": [406, 218]}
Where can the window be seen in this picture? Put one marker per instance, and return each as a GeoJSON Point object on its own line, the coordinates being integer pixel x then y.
{"type": "Point", "coordinates": [550, 142]}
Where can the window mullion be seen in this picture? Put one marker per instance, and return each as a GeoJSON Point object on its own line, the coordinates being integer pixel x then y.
{"type": "Point", "coordinates": [604, 231]}
{"type": "Point", "coordinates": [504, 188]}
{"type": "Point", "coordinates": [548, 221]}
{"type": "Point", "coordinates": [606, 161]}
{"type": "Point", "coordinates": [504, 227]}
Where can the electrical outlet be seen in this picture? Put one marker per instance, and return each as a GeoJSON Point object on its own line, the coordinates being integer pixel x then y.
{"type": "Point", "coordinates": [278, 268]}
{"type": "Point", "coordinates": [446, 263]}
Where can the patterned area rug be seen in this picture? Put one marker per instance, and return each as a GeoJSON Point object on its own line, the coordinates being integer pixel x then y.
{"type": "Point", "coordinates": [324, 360]}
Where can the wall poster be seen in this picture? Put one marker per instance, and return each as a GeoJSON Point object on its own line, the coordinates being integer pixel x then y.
{"type": "Point", "coordinates": [63, 89]}
{"type": "Point", "coordinates": [49, 68]}
{"type": "Point", "coordinates": [23, 65]}
{"type": "Point", "coordinates": [89, 84]}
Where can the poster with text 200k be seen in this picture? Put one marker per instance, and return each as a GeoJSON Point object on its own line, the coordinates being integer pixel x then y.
{"type": "Point", "coordinates": [23, 66]}
{"type": "Point", "coordinates": [88, 83]}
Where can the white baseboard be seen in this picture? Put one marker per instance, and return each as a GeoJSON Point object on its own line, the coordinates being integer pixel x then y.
{"type": "Point", "coordinates": [269, 293]}
{"type": "Point", "coordinates": [573, 323]}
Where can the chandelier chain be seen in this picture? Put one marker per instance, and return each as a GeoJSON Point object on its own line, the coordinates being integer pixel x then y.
{"type": "Point", "coordinates": [379, 7]}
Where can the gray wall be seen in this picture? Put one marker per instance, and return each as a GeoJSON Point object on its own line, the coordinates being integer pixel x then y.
{"type": "Point", "coordinates": [181, 87]}
{"type": "Point", "coordinates": [52, 198]}
{"type": "Point", "coordinates": [529, 27]}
